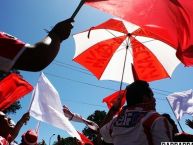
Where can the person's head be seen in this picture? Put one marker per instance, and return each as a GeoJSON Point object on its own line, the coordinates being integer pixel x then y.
{"type": "Point", "coordinates": [139, 92]}
{"type": "Point", "coordinates": [29, 138]}
{"type": "Point", "coordinates": [6, 124]}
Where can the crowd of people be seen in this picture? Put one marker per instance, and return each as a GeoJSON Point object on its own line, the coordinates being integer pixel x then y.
{"type": "Point", "coordinates": [138, 122]}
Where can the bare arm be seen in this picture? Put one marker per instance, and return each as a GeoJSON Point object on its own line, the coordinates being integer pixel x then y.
{"type": "Point", "coordinates": [38, 56]}
{"type": "Point", "coordinates": [78, 118]}
{"type": "Point", "coordinates": [18, 126]}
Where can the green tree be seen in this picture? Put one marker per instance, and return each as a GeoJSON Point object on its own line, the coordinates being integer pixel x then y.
{"type": "Point", "coordinates": [13, 108]}
{"type": "Point", "coordinates": [42, 142]}
{"type": "Point", "coordinates": [96, 117]}
{"type": "Point", "coordinates": [66, 141]}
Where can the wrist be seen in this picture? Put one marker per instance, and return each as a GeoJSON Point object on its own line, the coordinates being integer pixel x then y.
{"type": "Point", "coordinates": [20, 123]}
{"type": "Point", "coordinates": [54, 35]}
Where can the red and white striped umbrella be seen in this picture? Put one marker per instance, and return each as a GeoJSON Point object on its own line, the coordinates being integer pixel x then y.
{"type": "Point", "coordinates": [121, 51]}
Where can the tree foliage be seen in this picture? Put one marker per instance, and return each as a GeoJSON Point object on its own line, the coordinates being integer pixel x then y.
{"type": "Point", "coordinates": [13, 108]}
{"type": "Point", "coordinates": [66, 141]}
{"type": "Point", "coordinates": [97, 117]}
{"type": "Point", "coordinates": [42, 142]}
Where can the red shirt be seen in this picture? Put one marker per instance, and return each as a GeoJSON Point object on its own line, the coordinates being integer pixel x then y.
{"type": "Point", "coordinates": [10, 50]}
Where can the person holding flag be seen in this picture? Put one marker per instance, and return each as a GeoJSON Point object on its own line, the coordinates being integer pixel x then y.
{"type": "Point", "coordinates": [8, 129]}
{"type": "Point", "coordinates": [18, 55]}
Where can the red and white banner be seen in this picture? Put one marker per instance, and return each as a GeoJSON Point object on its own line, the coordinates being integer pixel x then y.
{"type": "Point", "coordinates": [171, 19]}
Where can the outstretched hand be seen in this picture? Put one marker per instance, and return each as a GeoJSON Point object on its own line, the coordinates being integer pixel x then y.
{"type": "Point", "coordinates": [189, 123]}
{"type": "Point", "coordinates": [25, 117]}
{"type": "Point", "coordinates": [62, 29]}
{"type": "Point", "coordinates": [92, 125]}
{"type": "Point", "coordinates": [66, 110]}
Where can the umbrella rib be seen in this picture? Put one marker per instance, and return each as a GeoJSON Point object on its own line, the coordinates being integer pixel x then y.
{"type": "Point", "coordinates": [133, 40]}
{"type": "Point", "coordinates": [114, 36]}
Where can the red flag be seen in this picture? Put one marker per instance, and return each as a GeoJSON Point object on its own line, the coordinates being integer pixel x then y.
{"type": "Point", "coordinates": [85, 140]}
{"type": "Point", "coordinates": [109, 100]}
{"type": "Point", "coordinates": [12, 88]}
{"type": "Point", "coordinates": [170, 19]}
{"type": "Point", "coordinates": [10, 50]}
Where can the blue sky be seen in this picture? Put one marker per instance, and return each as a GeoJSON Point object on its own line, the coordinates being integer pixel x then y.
{"type": "Point", "coordinates": [78, 88]}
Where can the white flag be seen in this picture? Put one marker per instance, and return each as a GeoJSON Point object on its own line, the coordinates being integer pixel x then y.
{"type": "Point", "coordinates": [181, 103]}
{"type": "Point", "coordinates": [47, 107]}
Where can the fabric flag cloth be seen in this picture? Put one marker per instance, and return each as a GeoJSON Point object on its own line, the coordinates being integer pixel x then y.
{"type": "Point", "coordinates": [12, 88]}
{"type": "Point", "coordinates": [46, 106]}
{"type": "Point", "coordinates": [181, 103]}
{"type": "Point", "coordinates": [85, 140]}
{"type": "Point", "coordinates": [11, 49]}
{"type": "Point", "coordinates": [170, 19]}
{"type": "Point", "coordinates": [110, 100]}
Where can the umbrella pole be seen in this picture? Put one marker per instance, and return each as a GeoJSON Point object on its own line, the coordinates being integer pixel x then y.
{"type": "Point", "coordinates": [124, 67]}
{"type": "Point", "coordinates": [77, 9]}
{"type": "Point", "coordinates": [175, 116]}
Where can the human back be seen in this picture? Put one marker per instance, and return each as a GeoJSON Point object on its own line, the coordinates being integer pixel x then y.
{"type": "Point", "coordinates": [128, 127]}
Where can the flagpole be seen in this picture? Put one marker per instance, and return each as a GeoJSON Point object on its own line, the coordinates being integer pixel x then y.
{"type": "Point", "coordinates": [175, 115]}
{"type": "Point", "coordinates": [123, 68]}
{"type": "Point", "coordinates": [37, 127]}
{"type": "Point", "coordinates": [31, 102]}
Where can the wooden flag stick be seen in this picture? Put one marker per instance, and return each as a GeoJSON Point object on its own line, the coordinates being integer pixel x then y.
{"type": "Point", "coordinates": [175, 116]}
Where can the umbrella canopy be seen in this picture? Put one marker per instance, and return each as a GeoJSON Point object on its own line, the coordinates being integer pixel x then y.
{"type": "Point", "coordinates": [121, 51]}
{"type": "Point", "coordinates": [174, 18]}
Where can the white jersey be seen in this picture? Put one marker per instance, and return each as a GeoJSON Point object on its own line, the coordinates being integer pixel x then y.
{"type": "Point", "coordinates": [128, 129]}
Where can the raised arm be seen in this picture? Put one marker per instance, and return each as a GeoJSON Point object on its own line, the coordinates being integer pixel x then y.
{"type": "Point", "coordinates": [113, 110]}
{"type": "Point", "coordinates": [78, 118]}
{"type": "Point", "coordinates": [19, 125]}
{"type": "Point", "coordinates": [38, 56]}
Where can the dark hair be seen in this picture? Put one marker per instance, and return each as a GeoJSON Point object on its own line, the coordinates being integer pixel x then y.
{"type": "Point", "coordinates": [136, 91]}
